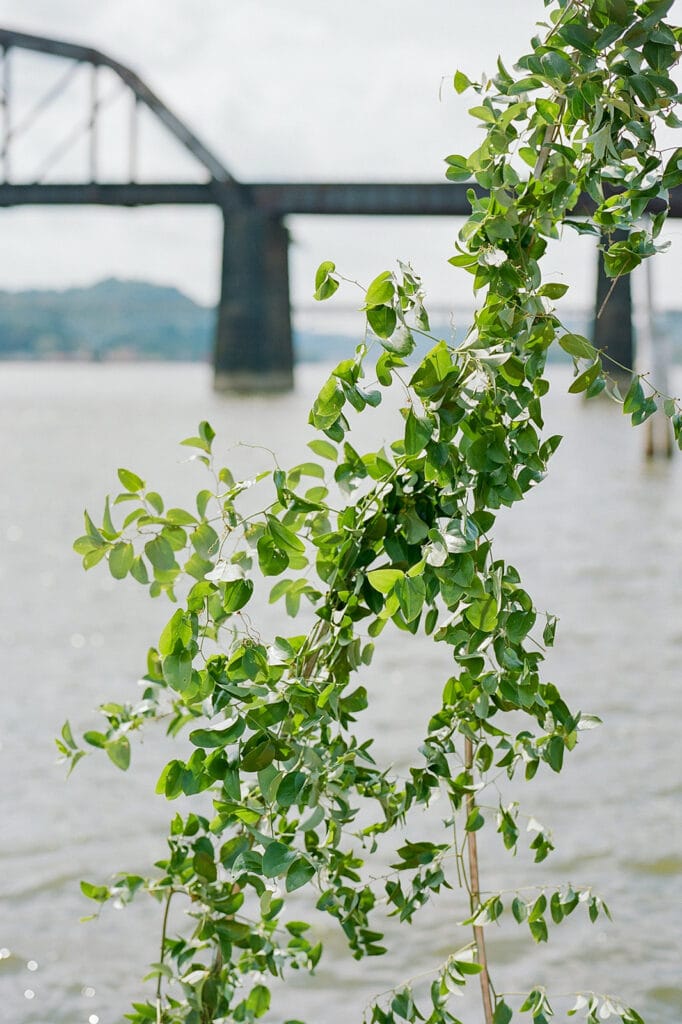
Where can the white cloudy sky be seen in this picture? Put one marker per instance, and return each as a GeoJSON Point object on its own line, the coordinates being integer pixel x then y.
{"type": "Point", "coordinates": [297, 90]}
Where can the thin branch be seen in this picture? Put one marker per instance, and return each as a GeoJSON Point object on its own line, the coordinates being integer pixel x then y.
{"type": "Point", "coordinates": [164, 926]}
{"type": "Point", "coordinates": [607, 297]}
{"type": "Point", "coordinates": [551, 133]}
{"type": "Point", "coordinates": [479, 936]}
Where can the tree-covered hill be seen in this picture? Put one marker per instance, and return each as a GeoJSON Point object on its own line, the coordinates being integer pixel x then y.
{"type": "Point", "coordinates": [127, 320]}
{"type": "Point", "coordinates": [109, 320]}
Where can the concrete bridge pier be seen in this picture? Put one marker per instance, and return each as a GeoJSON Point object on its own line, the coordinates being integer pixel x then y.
{"type": "Point", "coordinates": [613, 330]}
{"type": "Point", "coordinates": [253, 344]}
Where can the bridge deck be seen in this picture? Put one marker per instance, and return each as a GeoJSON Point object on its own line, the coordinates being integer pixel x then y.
{"type": "Point", "coordinates": [275, 199]}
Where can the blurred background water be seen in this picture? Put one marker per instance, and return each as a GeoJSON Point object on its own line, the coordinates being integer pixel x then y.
{"type": "Point", "coordinates": [597, 544]}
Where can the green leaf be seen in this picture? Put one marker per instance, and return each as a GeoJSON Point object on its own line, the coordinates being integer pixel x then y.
{"type": "Point", "coordinates": [203, 860]}
{"type": "Point", "coordinates": [643, 89]}
{"type": "Point", "coordinates": [577, 346]}
{"type": "Point", "coordinates": [284, 538]}
{"type": "Point", "coordinates": [196, 442]}
{"type": "Point", "coordinates": [583, 380]}
{"type": "Point", "coordinates": [205, 541]}
{"type": "Point", "coordinates": [620, 259]}
{"type": "Point", "coordinates": [555, 753]}
{"type": "Point", "coordinates": [271, 559]}
{"type": "Point", "coordinates": [289, 789]}
{"type": "Point", "coordinates": [91, 530]}
{"type": "Point", "coordinates": [121, 559]}
{"type": "Point", "coordinates": [86, 544]}
{"type": "Point", "coordinates": [457, 168]}
{"type": "Point", "coordinates": [328, 405]}
{"type": "Point", "coordinates": [324, 449]}
{"type": "Point", "coordinates": [160, 554]}
{"type": "Point", "coordinates": [258, 1001]}
{"type": "Point", "coordinates": [177, 670]}
{"type": "Point", "coordinates": [258, 753]}
{"type": "Point", "coordinates": [538, 908]}
{"type": "Point", "coordinates": [382, 320]}
{"type": "Point", "coordinates": [401, 343]}
{"type": "Point", "coordinates": [217, 738]}
{"type": "Point", "coordinates": [519, 910]}
{"type": "Point", "coordinates": [525, 85]}
{"type": "Point", "coordinates": [67, 735]}
{"type": "Point", "coordinates": [384, 580]}
{"type": "Point", "coordinates": [483, 113]}
{"type": "Point", "coordinates": [299, 874]}
{"type": "Point", "coordinates": [503, 1013]}
{"type": "Point", "coordinates": [131, 481]}
{"type": "Point", "coordinates": [203, 498]}
{"type": "Point", "coordinates": [206, 431]}
{"type": "Point", "coordinates": [418, 431]}
{"type": "Point", "coordinates": [107, 523]}
{"type": "Point", "coordinates": [95, 739]}
{"type": "Point", "coordinates": [237, 594]}
{"type": "Point", "coordinates": [579, 36]}
{"type": "Point", "coordinates": [381, 290]}
{"type": "Point", "coordinates": [635, 397]}
{"type": "Point", "coordinates": [93, 557]}
{"type": "Point", "coordinates": [99, 893]}
{"type": "Point", "coordinates": [179, 517]}
{"type": "Point", "coordinates": [538, 930]}
{"type": "Point", "coordinates": [553, 290]}
{"type": "Point", "coordinates": [197, 567]}
{"type": "Point", "coordinates": [277, 859]}
{"type": "Point", "coordinates": [119, 752]}
{"type": "Point", "coordinates": [556, 908]}
{"type": "Point", "coordinates": [483, 614]}
{"type": "Point", "coordinates": [548, 110]}
{"type": "Point", "coordinates": [461, 82]}
{"type": "Point", "coordinates": [411, 594]}
{"type": "Point", "coordinates": [325, 283]}
{"type": "Point", "coordinates": [156, 501]}
{"type": "Point", "coordinates": [138, 571]}
{"type": "Point", "coordinates": [176, 634]}
{"type": "Point", "coordinates": [475, 820]}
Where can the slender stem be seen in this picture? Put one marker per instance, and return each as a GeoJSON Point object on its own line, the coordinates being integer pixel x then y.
{"type": "Point", "coordinates": [164, 926]}
{"type": "Point", "coordinates": [607, 297]}
{"type": "Point", "coordinates": [475, 890]}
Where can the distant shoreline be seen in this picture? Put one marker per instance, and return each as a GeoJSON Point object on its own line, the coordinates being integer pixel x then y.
{"type": "Point", "coordinates": [118, 321]}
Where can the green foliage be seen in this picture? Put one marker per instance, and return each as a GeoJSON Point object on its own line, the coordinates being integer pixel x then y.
{"type": "Point", "coordinates": [396, 538]}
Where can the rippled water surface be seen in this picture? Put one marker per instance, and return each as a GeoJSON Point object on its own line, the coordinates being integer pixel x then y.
{"type": "Point", "coordinates": [597, 543]}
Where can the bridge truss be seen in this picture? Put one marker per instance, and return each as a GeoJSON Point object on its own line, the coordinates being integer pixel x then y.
{"type": "Point", "coordinates": [253, 343]}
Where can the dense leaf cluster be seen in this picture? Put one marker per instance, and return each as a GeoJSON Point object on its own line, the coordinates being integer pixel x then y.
{"type": "Point", "coordinates": [400, 537]}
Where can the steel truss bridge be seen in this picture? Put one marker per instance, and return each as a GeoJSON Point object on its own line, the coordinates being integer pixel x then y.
{"type": "Point", "coordinates": [253, 342]}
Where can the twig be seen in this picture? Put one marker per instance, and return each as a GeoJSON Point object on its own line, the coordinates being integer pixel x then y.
{"type": "Point", "coordinates": [164, 926]}
{"type": "Point", "coordinates": [551, 132]}
{"type": "Point", "coordinates": [607, 297]}
{"type": "Point", "coordinates": [474, 883]}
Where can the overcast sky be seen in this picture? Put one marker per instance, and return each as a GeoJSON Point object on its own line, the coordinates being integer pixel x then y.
{"type": "Point", "coordinates": [280, 91]}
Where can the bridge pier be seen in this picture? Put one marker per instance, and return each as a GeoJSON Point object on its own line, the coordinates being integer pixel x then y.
{"type": "Point", "coordinates": [613, 330]}
{"type": "Point", "coordinates": [253, 343]}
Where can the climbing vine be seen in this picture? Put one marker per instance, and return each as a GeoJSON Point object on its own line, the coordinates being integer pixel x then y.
{"type": "Point", "coordinates": [397, 538]}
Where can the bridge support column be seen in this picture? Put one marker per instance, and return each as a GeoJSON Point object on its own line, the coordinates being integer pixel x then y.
{"type": "Point", "coordinates": [253, 345]}
{"type": "Point", "coordinates": [612, 331]}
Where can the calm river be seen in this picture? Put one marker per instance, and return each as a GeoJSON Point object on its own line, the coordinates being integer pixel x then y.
{"type": "Point", "coordinates": [597, 543]}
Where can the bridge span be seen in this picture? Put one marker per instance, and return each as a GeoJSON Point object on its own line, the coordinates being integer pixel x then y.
{"type": "Point", "coordinates": [253, 342]}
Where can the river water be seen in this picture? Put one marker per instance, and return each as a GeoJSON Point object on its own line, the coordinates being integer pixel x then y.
{"type": "Point", "coordinates": [597, 544]}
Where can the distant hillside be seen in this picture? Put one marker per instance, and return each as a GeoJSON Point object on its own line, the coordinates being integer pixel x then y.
{"type": "Point", "coordinates": [110, 320]}
{"type": "Point", "coordinates": [127, 320]}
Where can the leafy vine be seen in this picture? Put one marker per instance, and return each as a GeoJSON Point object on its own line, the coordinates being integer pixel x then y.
{"type": "Point", "coordinates": [398, 536]}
